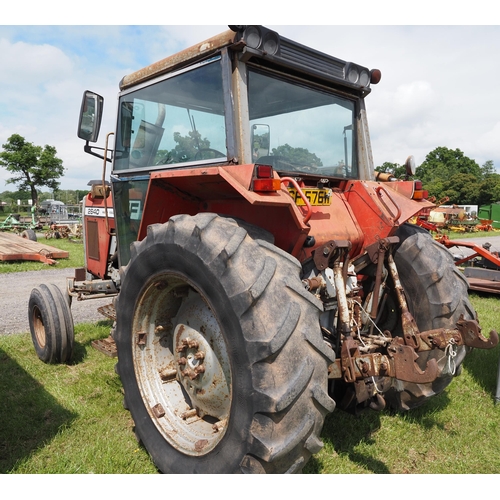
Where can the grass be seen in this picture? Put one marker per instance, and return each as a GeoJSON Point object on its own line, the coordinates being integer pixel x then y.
{"type": "Point", "coordinates": [65, 418]}
{"type": "Point", "coordinates": [454, 235]}
{"type": "Point", "coordinates": [70, 418]}
{"type": "Point", "coordinates": [457, 432]}
{"type": "Point", "coordinates": [75, 259]}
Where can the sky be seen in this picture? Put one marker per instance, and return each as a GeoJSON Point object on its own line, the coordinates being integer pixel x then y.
{"type": "Point", "coordinates": [439, 74]}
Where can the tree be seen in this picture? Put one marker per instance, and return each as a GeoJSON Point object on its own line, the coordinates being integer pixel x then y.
{"type": "Point", "coordinates": [487, 169]}
{"type": "Point", "coordinates": [32, 166]}
{"type": "Point", "coordinates": [489, 190]}
{"type": "Point", "coordinates": [462, 189]}
{"type": "Point", "coordinates": [297, 156]}
{"type": "Point", "coordinates": [447, 172]}
{"type": "Point", "coordinates": [438, 171]}
{"type": "Point", "coordinates": [398, 171]}
{"type": "Point", "coordinates": [442, 163]}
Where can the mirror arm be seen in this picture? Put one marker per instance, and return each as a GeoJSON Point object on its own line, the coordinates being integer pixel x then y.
{"type": "Point", "coordinates": [89, 149]}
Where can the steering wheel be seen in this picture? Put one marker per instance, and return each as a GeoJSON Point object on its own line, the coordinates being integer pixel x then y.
{"type": "Point", "coordinates": [212, 153]}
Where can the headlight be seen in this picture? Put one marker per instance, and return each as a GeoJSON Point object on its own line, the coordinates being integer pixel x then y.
{"type": "Point", "coordinates": [364, 78]}
{"type": "Point", "coordinates": [358, 75]}
{"type": "Point", "coordinates": [260, 38]}
{"type": "Point", "coordinates": [353, 75]}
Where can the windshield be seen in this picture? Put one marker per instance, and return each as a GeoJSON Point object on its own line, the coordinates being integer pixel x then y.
{"type": "Point", "coordinates": [177, 120]}
{"type": "Point", "coordinates": [297, 128]}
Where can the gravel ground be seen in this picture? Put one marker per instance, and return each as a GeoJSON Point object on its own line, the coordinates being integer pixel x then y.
{"type": "Point", "coordinates": [15, 289]}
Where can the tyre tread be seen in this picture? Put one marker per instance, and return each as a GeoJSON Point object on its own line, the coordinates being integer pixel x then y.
{"type": "Point", "coordinates": [290, 408]}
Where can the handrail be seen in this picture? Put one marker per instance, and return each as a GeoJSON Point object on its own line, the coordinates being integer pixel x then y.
{"type": "Point", "coordinates": [398, 210]}
{"type": "Point", "coordinates": [302, 195]}
{"type": "Point", "coordinates": [104, 183]}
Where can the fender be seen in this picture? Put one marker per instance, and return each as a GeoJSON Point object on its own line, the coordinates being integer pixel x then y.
{"type": "Point", "coordinates": [359, 211]}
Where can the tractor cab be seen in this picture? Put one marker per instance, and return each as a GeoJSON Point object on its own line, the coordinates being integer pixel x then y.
{"type": "Point", "coordinates": [251, 102]}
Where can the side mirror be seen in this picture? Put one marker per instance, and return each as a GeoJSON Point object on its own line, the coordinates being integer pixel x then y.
{"type": "Point", "coordinates": [410, 166]}
{"type": "Point", "coordinates": [89, 123]}
{"type": "Point", "coordinates": [261, 140]}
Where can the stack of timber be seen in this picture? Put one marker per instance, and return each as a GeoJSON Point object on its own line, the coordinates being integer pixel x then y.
{"type": "Point", "coordinates": [13, 247]}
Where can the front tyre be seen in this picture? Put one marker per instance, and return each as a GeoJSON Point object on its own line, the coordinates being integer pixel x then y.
{"type": "Point", "coordinates": [436, 292]}
{"type": "Point", "coordinates": [220, 350]}
{"type": "Point", "coordinates": [51, 324]}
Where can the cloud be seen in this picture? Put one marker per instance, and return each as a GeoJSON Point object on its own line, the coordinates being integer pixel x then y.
{"type": "Point", "coordinates": [24, 63]}
{"type": "Point", "coordinates": [437, 88]}
{"type": "Point", "coordinates": [41, 91]}
{"type": "Point", "coordinates": [405, 105]}
{"type": "Point", "coordinates": [487, 144]}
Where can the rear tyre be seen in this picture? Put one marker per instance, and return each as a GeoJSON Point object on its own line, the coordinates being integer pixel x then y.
{"type": "Point", "coordinates": [437, 295]}
{"type": "Point", "coordinates": [220, 349]}
{"type": "Point", "coordinates": [51, 324]}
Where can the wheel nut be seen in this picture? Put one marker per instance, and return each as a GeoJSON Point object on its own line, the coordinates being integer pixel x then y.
{"type": "Point", "coordinates": [199, 369]}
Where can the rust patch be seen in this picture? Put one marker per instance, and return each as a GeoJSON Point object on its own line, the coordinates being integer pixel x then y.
{"type": "Point", "coordinates": [199, 445]}
{"type": "Point", "coordinates": [168, 64]}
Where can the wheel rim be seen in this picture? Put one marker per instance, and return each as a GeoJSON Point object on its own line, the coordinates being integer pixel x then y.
{"type": "Point", "coordinates": [182, 364]}
{"type": "Point", "coordinates": [38, 327]}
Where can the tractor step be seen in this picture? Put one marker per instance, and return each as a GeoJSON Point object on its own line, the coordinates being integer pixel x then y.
{"type": "Point", "coordinates": [108, 311]}
{"type": "Point", "coordinates": [106, 346]}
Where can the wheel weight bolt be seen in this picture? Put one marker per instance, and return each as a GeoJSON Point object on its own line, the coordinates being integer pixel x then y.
{"type": "Point", "coordinates": [167, 374]}
{"type": "Point", "coordinates": [190, 413]}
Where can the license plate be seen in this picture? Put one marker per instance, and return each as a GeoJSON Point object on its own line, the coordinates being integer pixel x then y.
{"type": "Point", "coordinates": [317, 197]}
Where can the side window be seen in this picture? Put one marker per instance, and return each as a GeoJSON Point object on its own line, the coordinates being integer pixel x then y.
{"type": "Point", "coordinates": [129, 196]}
{"type": "Point", "coordinates": [177, 120]}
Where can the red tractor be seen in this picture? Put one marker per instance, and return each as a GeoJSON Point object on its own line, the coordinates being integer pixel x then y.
{"type": "Point", "coordinates": [261, 275]}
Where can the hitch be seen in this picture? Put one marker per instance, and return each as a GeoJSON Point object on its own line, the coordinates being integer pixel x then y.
{"type": "Point", "coordinates": [467, 333]}
{"type": "Point", "coordinates": [471, 334]}
{"type": "Point", "coordinates": [398, 363]}
{"type": "Point", "coordinates": [397, 356]}
{"type": "Point", "coordinates": [406, 369]}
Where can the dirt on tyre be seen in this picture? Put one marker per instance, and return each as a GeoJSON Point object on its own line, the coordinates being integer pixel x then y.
{"type": "Point", "coordinates": [437, 295]}
{"type": "Point", "coordinates": [51, 324]}
{"type": "Point", "coordinates": [220, 350]}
